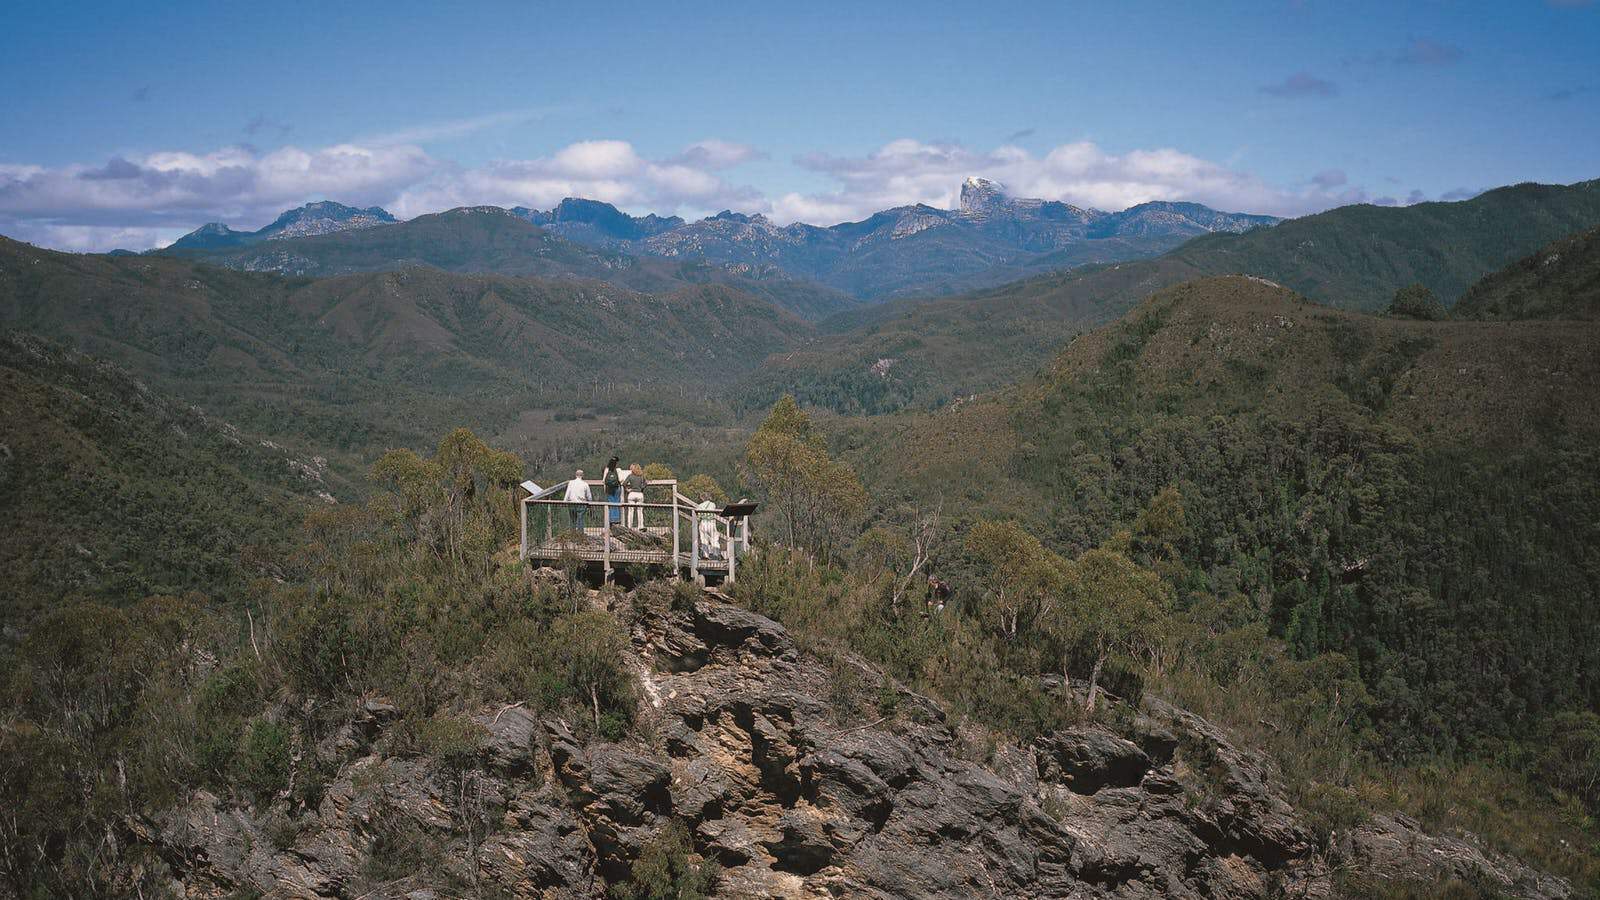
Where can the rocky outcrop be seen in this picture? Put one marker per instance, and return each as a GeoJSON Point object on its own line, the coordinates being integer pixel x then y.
{"type": "Point", "coordinates": [745, 751]}
{"type": "Point", "coordinates": [1395, 849]}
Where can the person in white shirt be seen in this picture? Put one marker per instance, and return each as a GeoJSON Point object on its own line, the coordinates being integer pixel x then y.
{"type": "Point", "coordinates": [578, 492]}
{"type": "Point", "coordinates": [710, 542]}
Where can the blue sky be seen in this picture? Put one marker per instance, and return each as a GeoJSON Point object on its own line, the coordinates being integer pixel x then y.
{"type": "Point", "coordinates": [126, 125]}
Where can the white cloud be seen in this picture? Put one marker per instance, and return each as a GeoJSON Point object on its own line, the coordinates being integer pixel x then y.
{"type": "Point", "coordinates": [596, 159]}
{"type": "Point", "coordinates": [1082, 173]}
{"type": "Point", "coordinates": [95, 238]}
{"type": "Point", "coordinates": [608, 170]}
{"type": "Point", "coordinates": [173, 189]}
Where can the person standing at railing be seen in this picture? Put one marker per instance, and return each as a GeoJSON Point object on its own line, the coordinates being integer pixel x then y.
{"type": "Point", "coordinates": [634, 485]}
{"type": "Point", "coordinates": [612, 479]}
{"type": "Point", "coordinates": [710, 542]}
{"type": "Point", "coordinates": [578, 493]}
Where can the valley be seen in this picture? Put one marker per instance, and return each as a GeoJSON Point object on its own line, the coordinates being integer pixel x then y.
{"type": "Point", "coordinates": [1362, 544]}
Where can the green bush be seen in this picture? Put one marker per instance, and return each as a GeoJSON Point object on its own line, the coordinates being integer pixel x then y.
{"type": "Point", "coordinates": [262, 767]}
{"type": "Point", "coordinates": [453, 740]}
{"type": "Point", "coordinates": [668, 869]}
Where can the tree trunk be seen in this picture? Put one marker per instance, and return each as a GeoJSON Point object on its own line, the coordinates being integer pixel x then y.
{"type": "Point", "coordinates": [1094, 682]}
{"type": "Point", "coordinates": [594, 698]}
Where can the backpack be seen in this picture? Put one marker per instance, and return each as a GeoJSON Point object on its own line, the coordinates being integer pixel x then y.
{"type": "Point", "coordinates": [613, 483]}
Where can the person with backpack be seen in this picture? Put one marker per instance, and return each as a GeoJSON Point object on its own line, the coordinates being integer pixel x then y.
{"type": "Point", "coordinates": [612, 480]}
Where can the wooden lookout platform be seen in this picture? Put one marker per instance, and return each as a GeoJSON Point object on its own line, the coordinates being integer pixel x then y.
{"type": "Point", "coordinates": [666, 532]}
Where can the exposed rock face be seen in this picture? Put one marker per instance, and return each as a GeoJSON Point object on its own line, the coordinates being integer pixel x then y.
{"type": "Point", "coordinates": [322, 217]}
{"type": "Point", "coordinates": [791, 801]}
{"type": "Point", "coordinates": [1395, 848]}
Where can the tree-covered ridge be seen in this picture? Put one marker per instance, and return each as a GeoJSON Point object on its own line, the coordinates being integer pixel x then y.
{"type": "Point", "coordinates": [1234, 345]}
{"type": "Point", "coordinates": [1356, 257]}
{"type": "Point", "coordinates": [1353, 257]}
{"type": "Point", "coordinates": [349, 366]}
{"type": "Point", "coordinates": [1415, 496]}
{"type": "Point", "coordinates": [1560, 281]}
{"type": "Point", "coordinates": [115, 492]}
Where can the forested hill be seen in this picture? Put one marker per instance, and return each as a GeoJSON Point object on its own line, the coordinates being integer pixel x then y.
{"type": "Point", "coordinates": [1416, 497]}
{"type": "Point", "coordinates": [491, 240]}
{"type": "Point", "coordinates": [1356, 257]}
{"type": "Point", "coordinates": [112, 491]}
{"type": "Point", "coordinates": [930, 352]}
{"type": "Point", "coordinates": [350, 365]}
{"type": "Point", "coordinates": [1561, 281]}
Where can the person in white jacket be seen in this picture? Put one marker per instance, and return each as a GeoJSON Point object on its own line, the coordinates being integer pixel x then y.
{"type": "Point", "coordinates": [578, 492]}
{"type": "Point", "coordinates": [710, 542]}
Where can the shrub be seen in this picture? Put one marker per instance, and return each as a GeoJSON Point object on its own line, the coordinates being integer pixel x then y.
{"type": "Point", "coordinates": [263, 764]}
{"type": "Point", "coordinates": [453, 740]}
{"type": "Point", "coordinates": [668, 869]}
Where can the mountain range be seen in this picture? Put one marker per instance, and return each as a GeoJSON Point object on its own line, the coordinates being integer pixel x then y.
{"type": "Point", "coordinates": [915, 249]}
{"type": "Point", "coordinates": [991, 237]}
{"type": "Point", "coordinates": [927, 353]}
{"type": "Point", "coordinates": [322, 217]}
{"type": "Point", "coordinates": [490, 240]}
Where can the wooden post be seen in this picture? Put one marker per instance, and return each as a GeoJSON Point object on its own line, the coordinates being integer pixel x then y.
{"type": "Point", "coordinates": [694, 552]}
{"type": "Point", "coordinates": [676, 570]}
{"type": "Point", "coordinates": [733, 557]}
{"type": "Point", "coordinates": [605, 538]}
{"type": "Point", "coordinates": [523, 553]}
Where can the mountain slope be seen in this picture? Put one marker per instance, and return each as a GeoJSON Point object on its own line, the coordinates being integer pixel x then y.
{"type": "Point", "coordinates": [1561, 281]}
{"type": "Point", "coordinates": [1352, 256]}
{"type": "Point", "coordinates": [113, 491]}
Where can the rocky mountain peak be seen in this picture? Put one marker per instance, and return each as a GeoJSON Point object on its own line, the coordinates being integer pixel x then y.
{"type": "Point", "coordinates": [324, 217]}
{"type": "Point", "coordinates": [980, 196]}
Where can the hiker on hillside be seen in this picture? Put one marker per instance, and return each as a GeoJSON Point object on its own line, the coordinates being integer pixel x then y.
{"type": "Point", "coordinates": [612, 479]}
{"type": "Point", "coordinates": [578, 493]}
{"type": "Point", "coordinates": [710, 542]}
{"type": "Point", "coordinates": [634, 485]}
